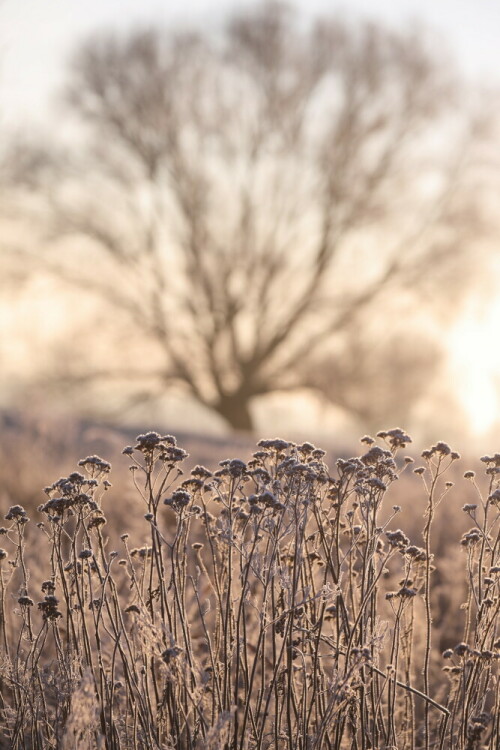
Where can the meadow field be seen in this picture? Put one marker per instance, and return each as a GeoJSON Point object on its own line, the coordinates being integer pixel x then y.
{"type": "Point", "coordinates": [242, 219]}
{"type": "Point", "coordinates": [281, 599]}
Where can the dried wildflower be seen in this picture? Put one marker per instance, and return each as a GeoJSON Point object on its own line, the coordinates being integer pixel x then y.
{"type": "Point", "coordinates": [95, 465]}
{"type": "Point", "coordinates": [374, 455]}
{"type": "Point", "coordinates": [495, 459]}
{"type": "Point", "coordinates": [318, 453]}
{"type": "Point", "coordinates": [376, 484]}
{"type": "Point", "coordinates": [487, 655]}
{"type": "Point", "coordinates": [25, 601]}
{"type": "Point", "coordinates": [442, 448]}
{"type": "Point", "coordinates": [148, 441]}
{"type": "Point", "coordinates": [306, 448]}
{"type": "Point", "coordinates": [178, 500]}
{"type": "Point", "coordinates": [3, 554]}
{"type": "Point", "coordinates": [201, 472]}
{"type": "Point", "coordinates": [17, 513]}
{"type": "Point", "coordinates": [351, 466]}
{"type": "Point", "coordinates": [76, 477]}
{"type": "Point", "coordinates": [397, 438]}
{"type": "Point", "coordinates": [97, 520]}
{"type": "Point", "coordinates": [416, 553]}
{"type": "Point", "coordinates": [406, 592]}
{"type": "Point", "coordinates": [56, 505]}
{"type": "Point", "coordinates": [281, 549]}
{"type": "Point", "coordinates": [277, 444]}
{"type": "Point", "coordinates": [397, 539]}
{"type": "Point", "coordinates": [267, 498]}
{"type": "Point", "coordinates": [469, 475]}
{"type": "Point", "coordinates": [470, 538]}
{"type": "Point", "coordinates": [461, 649]}
{"type": "Point", "coordinates": [494, 498]}
{"type": "Point", "coordinates": [237, 468]}
{"type": "Point", "coordinates": [469, 507]}
{"type": "Point", "coordinates": [142, 552]}
{"type": "Point", "coordinates": [476, 728]}
{"type": "Point", "coordinates": [367, 439]}
{"type": "Point", "coordinates": [49, 608]}
{"type": "Point", "coordinates": [173, 455]}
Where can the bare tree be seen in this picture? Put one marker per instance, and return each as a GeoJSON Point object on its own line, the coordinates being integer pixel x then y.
{"type": "Point", "coordinates": [241, 200]}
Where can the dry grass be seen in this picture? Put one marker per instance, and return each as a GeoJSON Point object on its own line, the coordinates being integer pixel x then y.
{"type": "Point", "coordinates": [268, 604]}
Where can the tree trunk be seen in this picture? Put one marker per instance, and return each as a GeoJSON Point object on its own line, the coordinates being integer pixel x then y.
{"type": "Point", "coordinates": [235, 409]}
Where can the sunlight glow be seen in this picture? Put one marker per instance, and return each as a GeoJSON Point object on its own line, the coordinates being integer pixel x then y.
{"type": "Point", "coordinates": [475, 365]}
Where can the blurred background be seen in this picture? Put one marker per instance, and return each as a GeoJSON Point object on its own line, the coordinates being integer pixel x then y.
{"type": "Point", "coordinates": [231, 219]}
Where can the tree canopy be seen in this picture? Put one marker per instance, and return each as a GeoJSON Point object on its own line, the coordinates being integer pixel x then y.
{"type": "Point", "coordinates": [243, 200]}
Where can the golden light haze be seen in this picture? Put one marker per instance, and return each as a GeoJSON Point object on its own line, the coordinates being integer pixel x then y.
{"type": "Point", "coordinates": [374, 211]}
{"type": "Point", "coordinates": [474, 364]}
{"type": "Point", "coordinates": [33, 323]}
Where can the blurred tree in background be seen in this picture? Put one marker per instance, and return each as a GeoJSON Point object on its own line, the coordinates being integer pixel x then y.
{"type": "Point", "coordinates": [246, 203]}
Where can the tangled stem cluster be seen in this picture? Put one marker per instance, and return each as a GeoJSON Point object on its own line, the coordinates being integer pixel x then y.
{"type": "Point", "coordinates": [270, 604]}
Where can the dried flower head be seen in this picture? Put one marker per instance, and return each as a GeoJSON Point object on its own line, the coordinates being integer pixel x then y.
{"type": "Point", "coordinates": [95, 466]}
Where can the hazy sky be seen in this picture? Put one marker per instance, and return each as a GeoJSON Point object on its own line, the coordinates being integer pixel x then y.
{"type": "Point", "coordinates": [38, 35]}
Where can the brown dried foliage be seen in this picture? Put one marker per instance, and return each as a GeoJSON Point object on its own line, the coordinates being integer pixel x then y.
{"type": "Point", "coordinates": [273, 605]}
